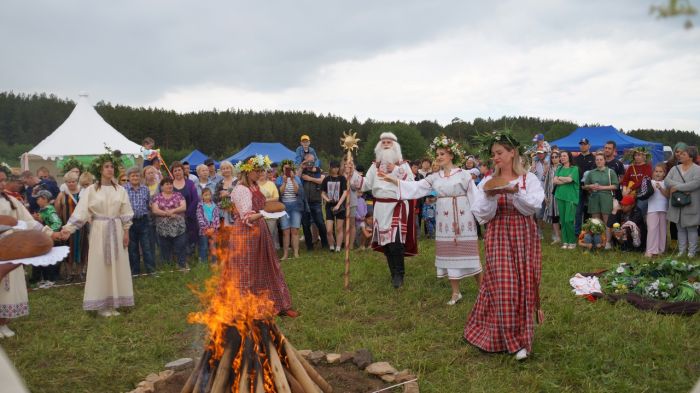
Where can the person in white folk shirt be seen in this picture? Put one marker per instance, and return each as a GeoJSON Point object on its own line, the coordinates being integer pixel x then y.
{"type": "Point", "coordinates": [656, 214]}
{"type": "Point", "coordinates": [394, 231]}
{"type": "Point", "coordinates": [456, 241]}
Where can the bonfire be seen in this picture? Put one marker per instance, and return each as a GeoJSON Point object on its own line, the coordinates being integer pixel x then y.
{"type": "Point", "coordinates": [245, 350]}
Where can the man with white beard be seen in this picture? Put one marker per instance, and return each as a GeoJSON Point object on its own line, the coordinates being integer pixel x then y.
{"type": "Point", "coordinates": [393, 229]}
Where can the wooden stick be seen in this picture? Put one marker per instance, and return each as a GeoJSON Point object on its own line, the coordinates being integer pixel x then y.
{"type": "Point", "coordinates": [260, 385]}
{"type": "Point", "coordinates": [297, 370]}
{"type": "Point", "coordinates": [189, 385]}
{"type": "Point", "coordinates": [243, 382]}
{"type": "Point", "coordinates": [293, 383]}
{"type": "Point", "coordinates": [313, 374]}
{"type": "Point", "coordinates": [281, 384]}
{"type": "Point", "coordinates": [222, 372]}
{"type": "Point", "coordinates": [346, 275]}
{"type": "Point", "coordinates": [233, 344]}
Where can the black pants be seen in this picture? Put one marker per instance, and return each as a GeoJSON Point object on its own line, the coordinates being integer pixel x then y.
{"type": "Point", "coordinates": [394, 256]}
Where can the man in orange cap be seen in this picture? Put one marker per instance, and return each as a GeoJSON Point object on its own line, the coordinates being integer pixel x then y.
{"type": "Point", "coordinates": [304, 149]}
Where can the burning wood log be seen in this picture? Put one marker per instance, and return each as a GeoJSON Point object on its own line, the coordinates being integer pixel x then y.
{"type": "Point", "coordinates": [262, 361]}
{"type": "Point", "coordinates": [246, 352]}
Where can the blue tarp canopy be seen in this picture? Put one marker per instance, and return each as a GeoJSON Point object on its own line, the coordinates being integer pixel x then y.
{"type": "Point", "coordinates": [599, 135]}
{"type": "Point", "coordinates": [276, 151]}
{"type": "Point", "coordinates": [195, 158]}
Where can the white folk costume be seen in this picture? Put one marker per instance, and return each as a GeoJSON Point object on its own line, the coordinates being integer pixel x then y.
{"type": "Point", "coordinates": [108, 283]}
{"type": "Point", "coordinates": [456, 240]}
{"type": "Point", "coordinates": [14, 302]}
{"type": "Point", "coordinates": [393, 228]}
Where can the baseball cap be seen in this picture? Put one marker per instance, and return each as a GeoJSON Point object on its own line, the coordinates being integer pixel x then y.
{"type": "Point", "coordinates": [538, 137]}
{"type": "Point", "coordinates": [44, 194]}
{"type": "Point", "coordinates": [305, 138]}
{"type": "Point", "coordinates": [584, 141]}
{"type": "Point", "coordinates": [208, 162]}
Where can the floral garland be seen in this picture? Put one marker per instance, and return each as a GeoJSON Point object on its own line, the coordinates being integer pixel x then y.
{"type": "Point", "coordinates": [257, 162]}
{"type": "Point", "coordinates": [502, 137]}
{"type": "Point", "coordinates": [71, 163]}
{"type": "Point", "coordinates": [280, 170]}
{"type": "Point", "coordinates": [594, 225]}
{"type": "Point", "coordinates": [667, 279]}
{"type": "Point", "coordinates": [115, 157]}
{"type": "Point", "coordinates": [5, 168]}
{"type": "Point", "coordinates": [628, 155]}
{"type": "Point", "coordinates": [443, 142]}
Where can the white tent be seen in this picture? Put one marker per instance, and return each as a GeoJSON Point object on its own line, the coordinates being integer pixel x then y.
{"type": "Point", "coordinates": [83, 135]}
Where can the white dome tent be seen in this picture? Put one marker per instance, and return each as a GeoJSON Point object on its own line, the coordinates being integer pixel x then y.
{"type": "Point", "coordinates": [83, 135]}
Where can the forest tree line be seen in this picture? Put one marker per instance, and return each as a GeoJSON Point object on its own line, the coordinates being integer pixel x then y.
{"type": "Point", "coordinates": [25, 120]}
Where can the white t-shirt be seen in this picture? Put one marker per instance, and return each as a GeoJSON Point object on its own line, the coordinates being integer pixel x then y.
{"type": "Point", "coordinates": [657, 202]}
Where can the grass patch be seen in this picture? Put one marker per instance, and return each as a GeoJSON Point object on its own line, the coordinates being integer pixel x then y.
{"type": "Point", "coordinates": [582, 347]}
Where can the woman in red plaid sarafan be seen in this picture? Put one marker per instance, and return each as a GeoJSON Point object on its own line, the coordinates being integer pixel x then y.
{"type": "Point", "coordinates": [502, 319]}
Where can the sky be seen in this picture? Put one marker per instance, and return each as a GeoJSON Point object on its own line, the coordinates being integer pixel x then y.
{"type": "Point", "coordinates": [593, 61]}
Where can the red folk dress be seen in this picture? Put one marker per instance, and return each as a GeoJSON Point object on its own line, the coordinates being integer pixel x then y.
{"type": "Point", "coordinates": [503, 316]}
{"type": "Point", "coordinates": [250, 253]}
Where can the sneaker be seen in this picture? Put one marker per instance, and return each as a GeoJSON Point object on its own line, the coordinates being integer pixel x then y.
{"type": "Point", "coordinates": [338, 249]}
{"type": "Point", "coordinates": [564, 246]}
{"type": "Point", "coordinates": [49, 284]}
{"type": "Point", "coordinates": [455, 299]}
{"type": "Point", "coordinates": [6, 332]}
{"type": "Point", "coordinates": [332, 248]}
{"type": "Point", "coordinates": [608, 246]}
{"type": "Point", "coordinates": [114, 313]}
{"type": "Point", "coordinates": [572, 246]}
{"type": "Point", "coordinates": [521, 354]}
{"type": "Point", "coordinates": [555, 241]}
{"type": "Point", "coordinates": [105, 313]}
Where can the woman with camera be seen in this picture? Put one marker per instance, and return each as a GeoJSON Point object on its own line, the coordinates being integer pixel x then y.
{"type": "Point", "coordinates": [292, 196]}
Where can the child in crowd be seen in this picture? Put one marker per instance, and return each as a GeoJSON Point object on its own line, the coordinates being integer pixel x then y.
{"type": "Point", "coordinates": [208, 219]}
{"type": "Point", "coordinates": [304, 149]}
{"type": "Point", "coordinates": [48, 215]}
{"type": "Point", "coordinates": [148, 152]}
{"type": "Point", "coordinates": [656, 214]}
{"type": "Point", "coordinates": [592, 234]}
{"type": "Point", "coordinates": [360, 214]}
{"type": "Point", "coordinates": [428, 214]}
{"type": "Point", "coordinates": [366, 227]}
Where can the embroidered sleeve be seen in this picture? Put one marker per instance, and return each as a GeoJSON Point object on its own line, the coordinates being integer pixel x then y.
{"type": "Point", "coordinates": [415, 189]}
{"type": "Point", "coordinates": [484, 206]}
{"type": "Point", "coordinates": [529, 199]}
{"type": "Point", "coordinates": [242, 198]}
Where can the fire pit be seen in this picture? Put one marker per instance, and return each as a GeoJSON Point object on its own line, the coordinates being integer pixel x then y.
{"type": "Point", "coordinates": [246, 352]}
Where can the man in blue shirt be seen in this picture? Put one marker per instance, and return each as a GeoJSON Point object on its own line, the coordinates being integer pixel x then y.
{"type": "Point", "coordinates": [139, 233]}
{"type": "Point", "coordinates": [33, 185]}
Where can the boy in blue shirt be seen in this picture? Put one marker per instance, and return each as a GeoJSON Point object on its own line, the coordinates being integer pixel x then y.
{"type": "Point", "coordinates": [304, 149]}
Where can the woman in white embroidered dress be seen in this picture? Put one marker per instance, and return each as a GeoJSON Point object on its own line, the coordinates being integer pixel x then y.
{"type": "Point", "coordinates": [14, 302]}
{"type": "Point", "coordinates": [456, 241]}
{"type": "Point", "coordinates": [106, 206]}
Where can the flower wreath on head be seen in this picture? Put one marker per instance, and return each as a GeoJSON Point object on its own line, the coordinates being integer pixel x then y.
{"type": "Point", "coordinates": [628, 156]}
{"type": "Point", "coordinates": [257, 162]}
{"type": "Point", "coordinates": [6, 169]}
{"type": "Point", "coordinates": [280, 169]}
{"type": "Point", "coordinates": [443, 142]}
{"type": "Point", "coordinates": [72, 163]}
{"type": "Point", "coordinates": [502, 137]}
{"type": "Point", "coordinates": [594, 225]}
{"type": "Point", "coordinates": [115, 157]}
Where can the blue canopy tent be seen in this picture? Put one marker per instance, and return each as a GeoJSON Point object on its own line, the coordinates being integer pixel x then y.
{"type": "Point", "coordinates": [276, 151]}
{"type": "Point", "coordinates": [599, 135]}
{"type": "Point", "coordinates": [195, 158]}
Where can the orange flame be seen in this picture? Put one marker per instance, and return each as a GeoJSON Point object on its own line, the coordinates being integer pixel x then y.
{"type": "Point", "coordinates": [225, 302]}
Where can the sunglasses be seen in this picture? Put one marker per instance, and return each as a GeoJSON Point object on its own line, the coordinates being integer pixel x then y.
{"type": "Point", "coordinates": [555, 156]}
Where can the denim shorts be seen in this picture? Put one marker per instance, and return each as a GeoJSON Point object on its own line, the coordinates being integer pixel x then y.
{"type": "Point", "coordinates": [291, 220]}
{"type": "Point", "coordinates": [594, 240]}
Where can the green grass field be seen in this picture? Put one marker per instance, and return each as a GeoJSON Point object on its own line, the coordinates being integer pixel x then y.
{"type": "Point", "coordinates": [582, 347]}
